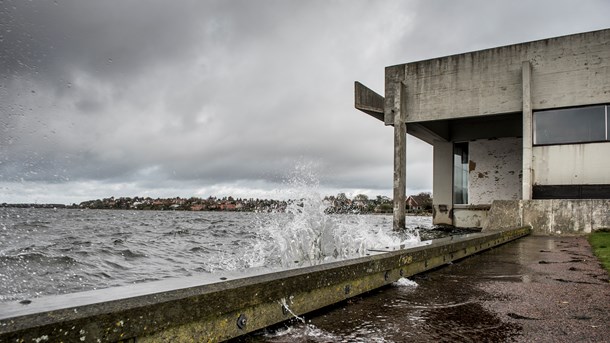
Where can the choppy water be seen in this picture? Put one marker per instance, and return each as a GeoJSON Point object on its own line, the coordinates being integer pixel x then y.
{"type": "Point", "coordinates": [45, 251]}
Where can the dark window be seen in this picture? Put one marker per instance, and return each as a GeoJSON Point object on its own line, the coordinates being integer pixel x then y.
{"type": "Point", "coordinates": [571, 125]}
{"type": "Point", "coordinates": [460, 173]}
{"type": "Point", "coordinates": [571, 192]}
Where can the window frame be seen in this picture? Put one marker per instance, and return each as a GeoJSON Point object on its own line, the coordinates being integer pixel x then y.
{"type": "Point", "coordinates": [464, 173]}
{"type": "Point", "coordinates": [606, 123]}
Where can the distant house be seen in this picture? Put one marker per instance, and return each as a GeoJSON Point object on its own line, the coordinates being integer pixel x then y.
{"type": "Point", "coordinates": [416, 202]}
{"type": "Point", "coordinates": [198, 207]}
{"type": "Point", "coordinates": [360, 203]}
{"type": "Point", "coordinates": [227, 206]}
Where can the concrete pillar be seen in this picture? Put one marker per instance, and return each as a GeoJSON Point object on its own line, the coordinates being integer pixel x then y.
{"type": "Point", "coordinates": [527, 131]}
{"type": "Point", "coordinates": [400, 163]}
{"type": "Point", "coordinates": [442, 183]}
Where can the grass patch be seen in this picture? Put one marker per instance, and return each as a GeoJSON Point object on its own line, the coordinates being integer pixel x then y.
{"type": "Point", "coordinates": [600, 242]}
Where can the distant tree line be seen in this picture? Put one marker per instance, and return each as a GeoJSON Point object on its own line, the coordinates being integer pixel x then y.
{"type": "Point", "coordinates": [339, 203]}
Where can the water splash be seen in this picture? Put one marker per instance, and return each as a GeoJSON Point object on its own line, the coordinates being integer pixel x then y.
{"type": "Point", "coordinates": [404, 282]}
{"type": "Point", "coordinates": [307, 235]}
{"type": "Point", "coordinates": [286, 308]}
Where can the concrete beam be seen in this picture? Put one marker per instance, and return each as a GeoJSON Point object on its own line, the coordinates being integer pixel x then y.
{"type": "Point", "coordinates": [394, 77]}
{"type": "Point", "coordinates": [569, 71]}
{"type": "Point", "coordinates": [430, 132]}
{"type": "Point", "coordinates": [368, 101]}
{"type": "Point", "coordinates": [219, 311]}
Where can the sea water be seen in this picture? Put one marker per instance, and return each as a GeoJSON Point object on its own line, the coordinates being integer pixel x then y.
{"type": "Point", "coordinates": [46, 251]}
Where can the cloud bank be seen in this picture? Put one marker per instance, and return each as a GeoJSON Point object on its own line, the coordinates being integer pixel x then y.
{"type": "Point", "coordinates": [199, 98]}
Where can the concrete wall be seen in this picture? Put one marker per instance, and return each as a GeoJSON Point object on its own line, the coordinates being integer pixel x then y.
{"type": "Point", "coordinates": [469, 217]}
{"type": "Point", "coordinates": [572, 164]}
{"type": "Point", "coordinates": [495, 173]}
{"type": "Point", "coordinates": [565, 71]}
{"type": "Point", "coordinates": [495, 170]}
{"type": "Point", "coordinates": [442, 183]}
{"type": "Point", "coordinates": [550, 217]}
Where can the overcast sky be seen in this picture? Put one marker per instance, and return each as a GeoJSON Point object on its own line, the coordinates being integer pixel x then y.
{"type": "Point", "coordinates": [199, 98]}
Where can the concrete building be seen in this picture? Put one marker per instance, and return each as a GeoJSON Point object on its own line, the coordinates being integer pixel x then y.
{"type": "Point", "coordinates": [520, 133]}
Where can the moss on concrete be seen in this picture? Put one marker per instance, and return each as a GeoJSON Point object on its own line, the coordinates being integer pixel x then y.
{"type": "Point", "coordinates": [600, 242]}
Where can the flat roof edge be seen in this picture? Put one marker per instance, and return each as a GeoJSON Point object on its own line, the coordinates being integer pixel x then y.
{"type": "Point", "coordinates": [501, 47]}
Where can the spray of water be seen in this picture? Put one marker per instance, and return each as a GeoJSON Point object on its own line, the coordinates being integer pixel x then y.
{"type": "Point", "coordinates": [306, 235]}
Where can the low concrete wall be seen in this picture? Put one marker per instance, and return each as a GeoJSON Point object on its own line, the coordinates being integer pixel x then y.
{"type": "Point", "coordinates": [550, 217]}
{"type": "Point", "coordinates": [222, 310]}
{"type": "Point", "coordinates": [470, 216]}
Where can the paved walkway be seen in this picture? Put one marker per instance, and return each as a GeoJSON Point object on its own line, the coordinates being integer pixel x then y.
{"type": "Point", "coordinates": [563, 296]}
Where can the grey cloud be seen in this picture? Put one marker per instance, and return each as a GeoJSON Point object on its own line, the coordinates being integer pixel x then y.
{"type": "Point", "coordinates": [212, 95]}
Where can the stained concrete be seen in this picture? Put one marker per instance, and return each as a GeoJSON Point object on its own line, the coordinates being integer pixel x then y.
{"type": "Point", "coordinates": [470, 216]}
{"type": "Point", "coordinates": [550, 217]}
{"type": "Point", "coordinates": [572, 164]}
{"type": "Point", "coordinates": [495, 172]}
{"type": "Point", "coordinates": [565, 71]}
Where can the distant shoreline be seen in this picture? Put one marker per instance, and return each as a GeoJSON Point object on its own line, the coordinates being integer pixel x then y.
{"type": "Point", "coordinates": [379, 206]}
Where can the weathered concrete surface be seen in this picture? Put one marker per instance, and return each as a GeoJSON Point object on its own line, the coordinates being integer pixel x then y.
{"type": "Point", "coordinates": [470, 216]}
{"type": "Point", "coordinates": [565, 71]}
{"type": "Point", "coordinates": [368, 101]}
{"type": "Point", "coordinates": [495, 170]}
{"type": "Point", "coordinates": [503, 214]}
{"type": "Point", "coordinates": [572, 164]}
{"type": "Point", "coordinates": [442, 183]}
{"type": "Point", "coordinates": [222, 310]}
{"type": "Point", "coordinates": [536, 289]}
{"type": "Point", "coordinates": [550, 217]}
{"type": "Point", "coordinates": [526, 72]}
{"type": "Point", "coordinates": [400, 173]}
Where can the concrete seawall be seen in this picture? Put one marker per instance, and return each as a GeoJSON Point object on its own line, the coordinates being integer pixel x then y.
{"type": "Point", "coordinates": [550, 217]}
{"type": "Point", "coordinates": [193, 311]}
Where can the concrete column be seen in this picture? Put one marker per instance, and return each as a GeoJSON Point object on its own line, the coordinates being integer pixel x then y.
{"type": "Point", "coordinates": [400, 163]}
{"type": "Point", "coordinates": [442, 183]}
{"type": "Point", "coordinates": [527, 131]}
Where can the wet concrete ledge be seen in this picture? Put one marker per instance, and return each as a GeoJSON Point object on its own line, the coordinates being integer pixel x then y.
{"type": "Point", "coordinates": [191, 312]}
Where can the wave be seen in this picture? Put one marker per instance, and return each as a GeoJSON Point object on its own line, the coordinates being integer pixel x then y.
{"type": "Point", "coordinates": [40, 258]}
{"type": "Point", "coordinates": [178, 232]}
{"type": "Point", "coordinates": [130, 254]}
{"type": "Point", "coordinates": [115, 265]}
{"type": "Point", "coordinates": [31, 224]}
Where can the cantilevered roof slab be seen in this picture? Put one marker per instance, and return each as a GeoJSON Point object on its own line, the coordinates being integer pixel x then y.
{"type": "Point", "coordinates": [489, 81]}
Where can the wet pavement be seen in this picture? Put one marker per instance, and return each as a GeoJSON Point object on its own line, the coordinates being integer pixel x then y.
{"type": "Point", "coordinates": [544, 289]}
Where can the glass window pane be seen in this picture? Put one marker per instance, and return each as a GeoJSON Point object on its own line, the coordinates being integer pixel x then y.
{"type": "Point", "coordinates": [460, 173]}
{"type": "Point", "coordinates": [572, 125]}
{"type": "Point", "coordinates": [607, 123]}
